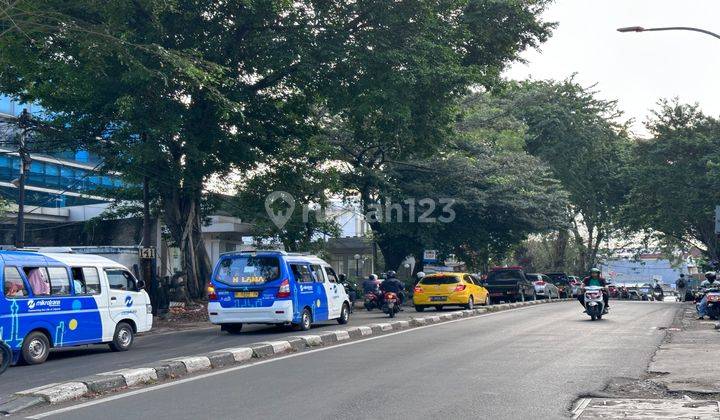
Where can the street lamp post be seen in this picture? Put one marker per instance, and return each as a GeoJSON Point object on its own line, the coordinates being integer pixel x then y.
{"type": "Point", "coordinates": [357, 265]}
{"type": "Point", "coordinates": [667, 28]}
{"type": "Point", "coordinates": [24, 124]}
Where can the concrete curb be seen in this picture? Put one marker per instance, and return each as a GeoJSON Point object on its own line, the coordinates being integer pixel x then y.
{"type": "Point", "coordinates": [166, 370]}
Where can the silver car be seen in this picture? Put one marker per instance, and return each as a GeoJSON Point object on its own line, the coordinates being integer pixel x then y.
{"type": "Point", "coordinates": [543, 286]}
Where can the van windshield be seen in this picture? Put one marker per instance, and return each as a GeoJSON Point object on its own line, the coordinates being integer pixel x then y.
{"type": "Point", "coordinates": [246, 269]}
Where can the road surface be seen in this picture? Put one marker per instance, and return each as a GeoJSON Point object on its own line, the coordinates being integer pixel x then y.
{"type": "Point", "coordinates": [76, 362]}
{"type": "Point", "coordinates": [527, 363]}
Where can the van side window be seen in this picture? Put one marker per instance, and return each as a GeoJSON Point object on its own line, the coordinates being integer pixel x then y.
{"type": "Point", "coordinates": [301, 273]}
{"type": "Point", "coordinates": [86, 280]}
{"type": "Point", "coordinates": [318, 273]}
{"type": "Point", "coordinates": [331, 275]}
{"type": "Point", "coordinates": [120, 279]}
{"type": "Point", "coordinates": [38, 279]}
{"type": "Point", "coordinates": [14, 286]}
{"type": "Point", "coordinates": [59, 281]}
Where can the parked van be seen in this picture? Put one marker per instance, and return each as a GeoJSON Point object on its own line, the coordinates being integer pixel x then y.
{"type": "Point", "coordinates": [53, 300]}
{"type": "Point", "coordinates": [275, 287]}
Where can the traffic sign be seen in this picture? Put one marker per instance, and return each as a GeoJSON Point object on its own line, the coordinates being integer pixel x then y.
{"type": "Point", "coordinates": [430, 255]}
{"type": "Point", "coordinates": [148, 253]}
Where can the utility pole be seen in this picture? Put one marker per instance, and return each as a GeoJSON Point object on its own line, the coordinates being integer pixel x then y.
{"type": "Point", "coordinates": [24, 124]}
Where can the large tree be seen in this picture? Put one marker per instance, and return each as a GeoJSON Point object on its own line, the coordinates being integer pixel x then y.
{"type": "Point", "coordinates": [176, 91]}
{"type": "Point", "coordinates": [393, 98]}
{"type": "Point", "coordinates": [583, 140]}
{"type": "Point", "coordinates": [675, 178]}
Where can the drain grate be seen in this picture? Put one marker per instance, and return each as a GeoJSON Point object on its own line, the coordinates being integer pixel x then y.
{"type": "Point", "coordinates": [626, 408]}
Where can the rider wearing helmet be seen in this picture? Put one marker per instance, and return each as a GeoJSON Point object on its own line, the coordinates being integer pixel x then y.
{"type": "Point", "coordinates": [371, 284]}
{"type": "Point", "coordinates": [707, 284]}
{"type": "Point", "coordinates": [594, 279]}
{"type": "Point", "coordinates": [392, 284]}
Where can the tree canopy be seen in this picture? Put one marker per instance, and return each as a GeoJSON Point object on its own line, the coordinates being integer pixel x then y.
{"type": "Point", "coordinates": [674, 179]}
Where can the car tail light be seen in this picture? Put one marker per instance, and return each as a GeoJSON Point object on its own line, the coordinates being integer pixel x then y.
{"type": "Point", "coordinates": [212, 296]}
{"type": "Point", "coordinates": [459, 287]}
{"type": "Point", "coordinates": [713, 298]}
{"type": "Point", "coordinates": [284, 290]}
{"type": "Point", "coordinates": [418, 289]}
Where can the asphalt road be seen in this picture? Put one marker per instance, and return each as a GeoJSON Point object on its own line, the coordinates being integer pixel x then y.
{"type": "Point", "coordinates": [531, 362]}
{"type": "Point", "coordinates": [76, 362]}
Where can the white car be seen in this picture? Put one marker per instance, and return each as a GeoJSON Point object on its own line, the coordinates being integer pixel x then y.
{"type": "Point", "coordinates": [544, 288]}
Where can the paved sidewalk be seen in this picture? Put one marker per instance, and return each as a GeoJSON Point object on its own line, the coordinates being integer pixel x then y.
{"type": "Point", "coordinates": [689, 362]}
{"type": "Point", "coordinates": [685, 367]}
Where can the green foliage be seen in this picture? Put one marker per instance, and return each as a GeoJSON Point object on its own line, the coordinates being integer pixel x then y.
{"type": "Point", "coordinates": [393, 100]}
{"type": "Point", "coordinates": [497, 201]}
{"type": "Point", "coordinates": [676, 178]}
{"type": "Point", "coordinates": [301, 169]}
{"type": "Point", "coordinates": [580, 138]}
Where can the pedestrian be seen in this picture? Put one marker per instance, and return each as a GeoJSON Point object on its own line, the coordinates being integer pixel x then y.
{"type": "Point", "coordinates": [681, 286]}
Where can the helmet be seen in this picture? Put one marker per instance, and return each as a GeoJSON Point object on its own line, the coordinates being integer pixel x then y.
{"type": "Point", "coordinates": [682, 275]}
{"type": "Point", "coordinates": [372, 277]}
{"type": "Point", "coordinates": [594, 270]}
{"type": "Point", "coordinates": [710, 275]}
{"type": "Point", "coordinates": [391, 274]}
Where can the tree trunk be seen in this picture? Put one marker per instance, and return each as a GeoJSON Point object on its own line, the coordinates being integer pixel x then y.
{"type": "Point", "coordinates": [560, 250]}
{"type": "Point", "coordinates": [184, 221]}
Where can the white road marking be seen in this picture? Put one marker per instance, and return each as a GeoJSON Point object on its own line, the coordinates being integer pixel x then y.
{"type": "Point", "coordinates": [261, 362]}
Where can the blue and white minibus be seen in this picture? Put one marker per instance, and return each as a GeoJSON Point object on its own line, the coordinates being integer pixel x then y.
{"type": "Point", "coordinates": [53, 300]}
{"type": "Point", "coordinates": [275, 287]}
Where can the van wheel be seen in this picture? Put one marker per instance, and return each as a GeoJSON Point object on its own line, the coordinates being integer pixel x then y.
{"type": "Point", "coordinates": [438, 307]}
{"type": "Point", "coordinates": [35, 348]}
{"type": "Point", "coordinates": [231, 328]}
{"type": "Point", "coordinates": [305, 320]}
{"type": "Point", "coordinates": [419, 308]}
{"type": "Point", "coordinates": [344, 315]}
{"type": "Point", "coordinates": [123, 338]}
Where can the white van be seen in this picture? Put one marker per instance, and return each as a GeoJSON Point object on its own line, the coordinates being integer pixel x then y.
{"type": "Point", "coordinates": [53, 300]}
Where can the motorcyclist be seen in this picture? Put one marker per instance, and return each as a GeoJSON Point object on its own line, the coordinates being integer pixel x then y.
{"type": "Point", "coordinates": [594, 279]}
{"type": "Point", "coordinates": [659, 291]}
{"type": "Point", "coordinates": [392, 284]}
{"type": "Point", "coordinates": [708, 284]}
{"type": "Point", "coordinates": [371, 284]}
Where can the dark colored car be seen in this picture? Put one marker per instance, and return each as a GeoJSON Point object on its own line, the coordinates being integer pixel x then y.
{"type": "Point", "coordinates": [509, 284]}
{"type": "Point", "coordinates": [563, 283]}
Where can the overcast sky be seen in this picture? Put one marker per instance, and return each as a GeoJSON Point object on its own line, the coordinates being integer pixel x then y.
{"type": "Point", "coordinates": [635, 68]}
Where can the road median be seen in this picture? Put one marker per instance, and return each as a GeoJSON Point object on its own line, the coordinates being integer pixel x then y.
{"type": "Point", "coordinates": [149, 374]}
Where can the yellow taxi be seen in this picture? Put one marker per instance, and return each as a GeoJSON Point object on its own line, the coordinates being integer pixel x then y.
{"type": "Point", "coordinates": [449, 289]}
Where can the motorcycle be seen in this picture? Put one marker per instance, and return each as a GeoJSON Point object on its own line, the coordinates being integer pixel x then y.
{"type": "Point", "coordinates": [594, 303]}
{"type": "Point", "coordinates": [391, 304]}
{"type": "Point", "coordinates": [658, 296]}
{"type": "Point", "coordinates": [372, 301]}
{"type": "Point", "coordinates": [713, 304]}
